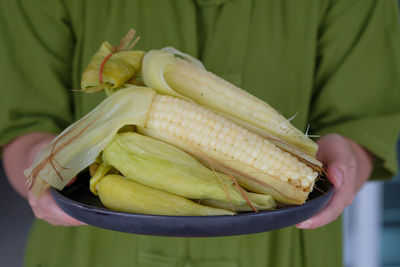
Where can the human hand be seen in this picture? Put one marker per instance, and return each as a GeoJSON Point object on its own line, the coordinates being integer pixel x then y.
{"type": "Point", "coordinates": [19, 155]}
{"type": "Point", "coordinates": [44, 207]}
{"type": "Point", "coordinates": [348, 167]}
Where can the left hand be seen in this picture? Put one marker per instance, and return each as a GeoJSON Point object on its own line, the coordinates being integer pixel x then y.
{"type": "Point", "coordinates": [19, 155]}
{"type": "Point", "coordinates": [348, 168]}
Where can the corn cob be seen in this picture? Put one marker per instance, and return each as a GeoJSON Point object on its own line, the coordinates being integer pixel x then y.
{"type": "Point", "coordinates": [259, 165]}
{"type": "Point", "coordinates": [260, 202]}
{"type": "Point", "coordinates": [168, 169]}
{"type": "Point", "coordinates": [121, 194]}
{"type": "Point", "coordinates": [165, 167]}
{"type": "Point", "coordinates": [111, 67]}
{"type": "Point", "coordinates": [168, 74]}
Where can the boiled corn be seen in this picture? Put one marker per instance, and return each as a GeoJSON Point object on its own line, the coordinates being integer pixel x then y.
{"type": "Point", "coordinates": [174, 76]}
{"type": "Point", "coordinates": [120, 194]}
{"type": "Point", "coordinates": [260, 165]}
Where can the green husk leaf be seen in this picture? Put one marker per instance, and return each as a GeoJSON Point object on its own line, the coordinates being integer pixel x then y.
{"type": "Point", "coordinates": [121, 194]}
{"type": "Point", "coordinates": [260, 202]}
{"type": "Point", "coordinates": [167, 168]}
{"type": "Point", "coordinates": [117, 70]}
{"type": "Point", "coordinates": [100, 173]}
{"type": "Point", "coordinates": [258, 182]}
{"type": "Point", "coordinates": [79, 145]}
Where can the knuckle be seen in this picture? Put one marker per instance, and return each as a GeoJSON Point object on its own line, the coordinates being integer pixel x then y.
{"type": "Point", "coordinates": [336, 136]}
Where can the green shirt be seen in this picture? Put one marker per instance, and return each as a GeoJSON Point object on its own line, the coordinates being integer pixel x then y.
{"type": "Point", "coordinates": [335, 63]}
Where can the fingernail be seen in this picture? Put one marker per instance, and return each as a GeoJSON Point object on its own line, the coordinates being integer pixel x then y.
{"type": "Point", "coordinates": [304, 225]}
{"type": "Point", "coordinates": [338, 176]}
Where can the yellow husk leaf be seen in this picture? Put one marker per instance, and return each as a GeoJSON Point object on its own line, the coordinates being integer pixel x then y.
{"type": "Point", "coordinates": [80, 144]}
{"type": "Point", "coordinates": [121, 194]}
{"type": "Point", "coordinates": [259, 182]}
{"type": "Point", "coordinates": [260, 202]}
{"type": "Point", "coordinates": [117, 70]}
{"type": "Point", "coordinates": [164, 167]}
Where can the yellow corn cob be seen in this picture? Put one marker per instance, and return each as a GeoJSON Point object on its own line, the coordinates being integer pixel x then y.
{"type": "Point", "coordinates": [258, 164]}
{"type": "Point", "coordinates": [120, 194]}
{"type": "Point", "coordinates": [171, 75]}
{"type": "Point", "coordinates": [164, 167]}
{"type": "Point", "coordinates": [260, 202]}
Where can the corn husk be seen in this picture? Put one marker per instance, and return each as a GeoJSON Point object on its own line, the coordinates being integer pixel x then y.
{"type": "Point", "coordinates": [117, 70]}
{"type": "Point", "coordinates": [171, 75]}
{"type": "Point", "coordinates": [260, 202]}
{"type": "Point", "coordinates": [113, 66]}
{"type": "Point", "coordinates": [121, 194]}
{"type": "Point", "coordinates": [146, 162]}
{"type": "Point", "coordinates": [80, 144]}
{"type": "Point", "coordinates": [162, 166]}
{"type": "Point", "coordinates": [258, 182]}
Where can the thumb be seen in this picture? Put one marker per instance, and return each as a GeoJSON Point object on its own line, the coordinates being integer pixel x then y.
{"type": "Point", "coordinates": [335, 173]}
{"type": "Point", "coordinates": [333, 152]}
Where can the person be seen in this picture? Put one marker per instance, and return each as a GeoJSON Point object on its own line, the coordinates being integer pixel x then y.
{"type": "Point", "coordinates": [335, 63]}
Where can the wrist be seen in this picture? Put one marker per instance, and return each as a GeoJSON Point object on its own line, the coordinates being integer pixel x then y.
{"type": "Point", "coordinates": [19, 154]}
{"type": "Point", "coordinates": [38, 143]}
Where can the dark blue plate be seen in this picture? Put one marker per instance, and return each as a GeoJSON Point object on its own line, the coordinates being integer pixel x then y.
{"type": "Point", "coordinates": [77, 201]}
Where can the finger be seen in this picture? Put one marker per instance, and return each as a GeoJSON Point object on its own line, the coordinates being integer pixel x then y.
{"type": "Point", "coordinates": [336, 173]}
{"type": "Point", "coordinates": [59, 217]}
{"type": "Point", "coordinates": [46, 209]}
{"type": "Point", "coordinates": [334, 159]}
{"type": "Point", "coordinates": [54, 214]}
{"type": "Point", "coordinates": [341, 166]}
{"type": "Point", "coordinates": [341, 174]}
{"type": "Point", "coordinates": [335, 207]}
{"type": "Point", "coordinates": [35, 209]}
{"type": "Point", "coordinates": [342, 171]}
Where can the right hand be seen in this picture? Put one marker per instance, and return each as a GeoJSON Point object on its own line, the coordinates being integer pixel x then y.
{"type": "Point", "coordinates": [18, 155]}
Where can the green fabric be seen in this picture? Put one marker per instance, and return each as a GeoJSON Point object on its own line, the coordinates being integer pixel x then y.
{"type": "Point", "coordinates": [336, 63]}
{"type": "Point", "coordinates": [89, 246]}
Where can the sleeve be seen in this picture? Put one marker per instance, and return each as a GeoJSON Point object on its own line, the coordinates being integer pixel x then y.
{"type": "Point", "coordinates": [357, 79]}
{"type": "Point", "coordinates": [35, 50]}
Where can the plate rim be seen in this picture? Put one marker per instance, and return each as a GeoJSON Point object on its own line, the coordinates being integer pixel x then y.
{"type": "Point", "coordinates": [247, 214]}
{"type": "Point", "coordinates": [191, 226]}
